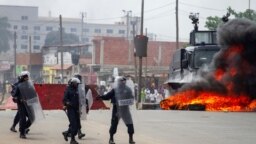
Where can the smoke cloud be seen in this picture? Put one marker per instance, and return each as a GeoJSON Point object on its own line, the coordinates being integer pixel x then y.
{"type": "Point", "coordinates": [234, 66]}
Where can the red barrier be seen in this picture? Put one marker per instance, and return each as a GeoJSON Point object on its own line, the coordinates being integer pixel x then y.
{"type": "Point", "coordinates": [51, 96]}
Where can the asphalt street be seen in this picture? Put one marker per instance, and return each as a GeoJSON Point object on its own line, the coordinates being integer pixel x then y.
{"type": "Point", "coordinates": [151, 127]}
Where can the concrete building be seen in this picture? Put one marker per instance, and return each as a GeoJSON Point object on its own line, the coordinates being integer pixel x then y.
{"type": "Point", "coordinates": [32, 29]}
{"type": "Point", "coordinates": [27, 23]}
{"type": "Point", "coordinates": [111, 52]}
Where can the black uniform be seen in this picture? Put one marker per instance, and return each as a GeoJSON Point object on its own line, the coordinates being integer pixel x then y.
{"type": "Point", "coordinates": [71, 101]}
{"type": "Point", "coordinates": [115, 119]}
{"type": "Point", "coordinates": [80, 134]}
{"type": "Point", "coordinates": [17, 116]}
{"type": "Point", "coordinates": [24, 121]}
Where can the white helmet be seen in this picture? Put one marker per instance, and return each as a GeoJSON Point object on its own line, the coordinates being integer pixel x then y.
{"type": "Point", "coordinates": [23, 73]}
{"type": "Point", "coordinates": [120, 78]}
{"type": "Point", "coordinates": [75, 80]}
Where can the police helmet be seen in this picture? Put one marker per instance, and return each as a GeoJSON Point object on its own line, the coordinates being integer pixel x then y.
{"type": "Point", "coordinates": [75, 80]}
{"type": "Point", "coordinates": [78, 76]}
{"type": "Point", "coordinates": [24, 74]}
{"type": "Point", "coordinates": [120, 78]}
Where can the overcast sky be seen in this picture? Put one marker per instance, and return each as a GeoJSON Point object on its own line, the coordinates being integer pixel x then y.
{"type": "Point", "coordinates": [159, 14]}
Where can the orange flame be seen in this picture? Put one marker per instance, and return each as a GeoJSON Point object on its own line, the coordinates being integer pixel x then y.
{"type": "Point", "coordinates": [211, 100]}
{"type": "Point", "coordinates": [214, 101]}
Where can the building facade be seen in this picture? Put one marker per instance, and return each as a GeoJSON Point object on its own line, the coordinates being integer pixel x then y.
{"type": "Point", "coordinates": [25, 21]}
{"type": "Point", "coordinates": [31, 31]}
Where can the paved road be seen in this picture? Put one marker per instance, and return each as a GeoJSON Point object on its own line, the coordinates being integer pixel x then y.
{"type": "Point", "coordinates": [151, 127]}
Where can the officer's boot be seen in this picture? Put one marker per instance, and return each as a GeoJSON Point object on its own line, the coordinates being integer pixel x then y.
{"type": "Point", "coordinates": [111, 139]}
{"type": "Point", "coordinates": [65, 135]}
{"type": "Point", "coordinates": [131, 139]}
{"type": "Point", "coordinates": [22, 136]}
{"type": "Point", "coordinates": [13, 129]}
{"type": "Point", "coordinates": [80, 134]}
{"type": "Point", "coordinates": [73, 140]}
{"type": "Point", "coordinates": [27, 130]}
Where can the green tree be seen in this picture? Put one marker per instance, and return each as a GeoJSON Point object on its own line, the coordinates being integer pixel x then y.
{"type": "Point", "coordinates": [5, 34]}
{"type": "Point", "coordinates": [53, 38]}
{"type": "Point", "coordinates": [213, 22]}
{"type": "Point", "coordinates": [249, 14]}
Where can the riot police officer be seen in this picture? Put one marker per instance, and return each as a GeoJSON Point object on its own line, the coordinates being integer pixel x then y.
{"type": "Point", "coordinates": [121, 97]}
{"type": "Point", "coordinates": [17, 117]}
{"type": "Point", "coordinates": [24, 121]}
{"type": "Point", "coordinates": [71, 103]}
{"type": "Point", "coordinates": [68, 132]}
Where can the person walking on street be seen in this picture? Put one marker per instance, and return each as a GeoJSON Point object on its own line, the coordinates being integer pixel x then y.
{"type": "Point", "coordinates": [22, 115]}
{"type": "Point", "coordinates": [67, 133]}
{"type": "Point", "coordinates": [17, 117]}
{"type": "Point", "coordinates": [71, 104]}
{"type": "Point", "coordinates": [121, 97]}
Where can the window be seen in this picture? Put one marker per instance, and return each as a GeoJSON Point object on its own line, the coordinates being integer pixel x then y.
{"type": "Point", "coordinates": [37, 28]}
{"type": "Point", "coordinates": [85, 39]}
{"type": "Point", "coordinates": [48, 28]}
{"type": "Point", "coordinates": [15, 27]}
{"type": "Point", "coordinates": [24, 37]}
{"type": "Point", "coordinates": [121, 31]}
{"type": "Point", "coordinates": [36, 37]}
{"type": "Point", "coordinates": [24, 17]}
{"type": "Point", "coordinates": [73, 29]}
{"type": "Point", "coordinates": [36, 47]}
{"type": "Point", "coordinates": [86, 30]}
{"type": "Point", "coordinates": [24, 27]}
{"type": "Point", "coordinates": [109, 31]}
{"type": "Point", "coordinates": [204, 57]}
{"type": "Point", "coordinates": [24, 46]}
{"type": "Point", "coordinates": [97, 31]}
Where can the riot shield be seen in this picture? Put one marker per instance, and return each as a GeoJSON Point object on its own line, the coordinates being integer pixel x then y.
{"type": "Point", "coordinates": [89, 98]}
{"type": "Point", "coordinates": [125, 99]}
{"type": "Point", "coordinates": [31, 101]}
{"type": "Point", "coordinates": [131, 85]}
{"type": "Point", "coordinates": [82, 101]}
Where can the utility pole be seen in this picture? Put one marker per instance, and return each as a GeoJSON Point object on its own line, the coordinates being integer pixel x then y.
{"type": "Point", "coordinates": [61, 51]}
{"type": "Point", "coordinates": [177, 24]}
{"type": "Point", "coordinates": [82, 35]}
{"type": "Point", "coordinates": [140, 57]}
{"type": "Point", "coordinates": [249, 4]}
{"type": "Point", "coordinates": [30, 43]}
{"type": "Point", "coordinates": [15, 53]}
{"type": "Point", "coordinates": [134, 50]}
{"type": "Point", "coordinates": [250, 14]}
{"type": "Point", "coordinates": [82, 27]}
{"type": "Point", "coordinates": [128, 32]}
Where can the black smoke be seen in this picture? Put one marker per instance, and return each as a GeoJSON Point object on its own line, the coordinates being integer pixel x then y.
{"type": "Point", "coordinates": [236, 59]}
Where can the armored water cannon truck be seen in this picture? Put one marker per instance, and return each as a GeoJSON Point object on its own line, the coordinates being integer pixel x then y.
{"type": "Point", "coordinates": [186, 62]}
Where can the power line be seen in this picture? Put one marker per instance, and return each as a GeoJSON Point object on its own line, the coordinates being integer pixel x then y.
{"type": "Point", "coordinates": [160, 15]}
{"type": "Point", "coordinates": [150, 10]}
{"type": "Point", "coordinates": [189, 13]}
{"type": "Point", "coordinates": [207, 8]}
{"type": "Point", "coordinates": [137, 13]}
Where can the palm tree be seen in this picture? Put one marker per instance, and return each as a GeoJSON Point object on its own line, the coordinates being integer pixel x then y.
{"type": "Point", "coordinates": [5, 34]}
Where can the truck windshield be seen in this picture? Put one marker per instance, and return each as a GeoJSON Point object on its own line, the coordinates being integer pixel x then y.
{"type": "Point", "coordinates": [206, 37]}
{"type": "Point", "coordinates": [203, 57]}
